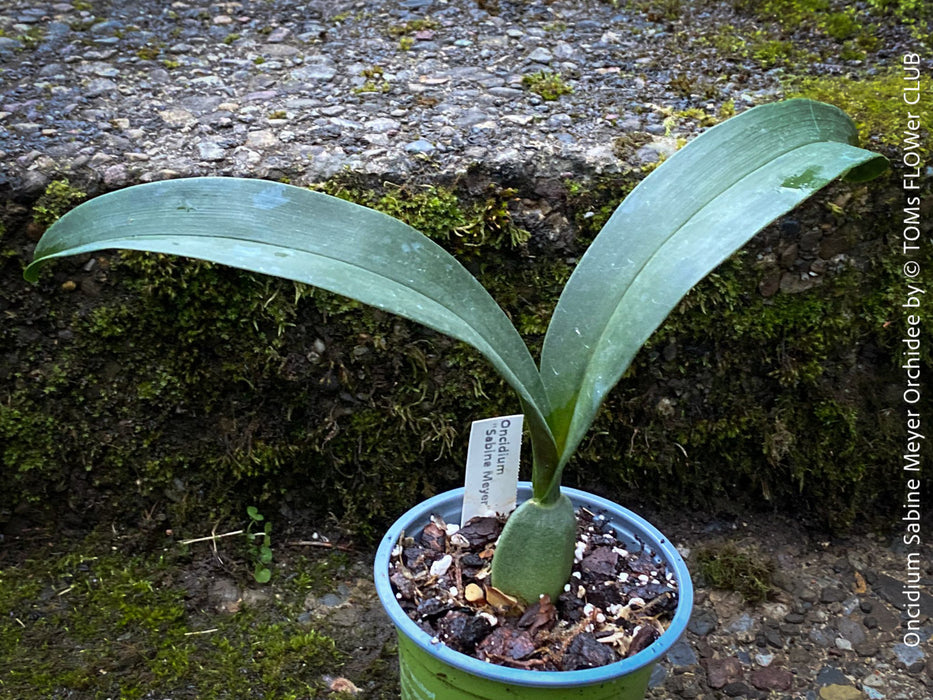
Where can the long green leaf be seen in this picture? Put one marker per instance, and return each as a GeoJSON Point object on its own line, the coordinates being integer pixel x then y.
{"type": "Point", "coordinates": [681, 222]}
{"type": "Point", "coordinates": [306, 236]}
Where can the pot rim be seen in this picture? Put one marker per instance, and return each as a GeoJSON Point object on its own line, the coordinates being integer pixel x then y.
{"type": "Point", "coordinates": [629, 522]}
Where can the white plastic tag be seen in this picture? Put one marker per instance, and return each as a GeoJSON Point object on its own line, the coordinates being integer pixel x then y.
{"type": "Point", "coordinates": [492, 467]}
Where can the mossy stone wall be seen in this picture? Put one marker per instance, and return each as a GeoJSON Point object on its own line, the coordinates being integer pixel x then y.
{"type": "Point", "coordinates": [137, 382]}
{"type": "Point", "coordinates": [148, 384]}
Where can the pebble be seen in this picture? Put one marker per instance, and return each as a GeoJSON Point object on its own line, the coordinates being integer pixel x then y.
{"type": "Point", "coordinates": [873, 680]}
{"type": "Point", "coordinates": [721, 672]}
{"type": "Point", "coordinates": [851, 630]}
{"type": "Point", "coordinates": [223, 595]}
{"type": "Point", "coordinates": [9, 45]}
{"type": "Point", "coordinates": [658, 676]}
{"type": "Point", "coordinates": [210, 151]}
{"type": "Point", "coordinates": [743, 627]}
{"type": "Point", "coordinates": [868, 648]}
{"type": "Point", "coordinates": [891, 590]}
{"type": "Point", "coordinates": [764, 658]}
{"type": "Point", "coordinates": [116, 175]}
{"type": "Point", "coordinates": [100, 87]}
{"type": "Point", "coordinates": [843, 644]}
{"type": "Point", "coordinates": [770, 636]}
{"type": "Point", "coordinates": [840, 692]}
{"type": "Point", "coordinates": [682, 654]}
{"type": "Point", "coordinates": [382, 125]}
{"type": "Point", "coordinates": [830, 675]}
{"type": "Point", "coordinates": [261, 139]}
{"type": "Point", "coordinates": [772, 678]}
{"type": "Point", "coordinates": [177, 117]}
{"type": "Point", "coordinates": [541, 55]}
{"type": "Point", "coordinates": [702, 622]}
{"type": "Point", "coordinates": [106, 28]}
{"type": "Point", "coordinates": [832, 594]}
{"type": "Point", "coordinates": [314, 69]}
{"type": "Point", "coordinates": [909, 655]}
{"type": "Point", "coordinates": [420, 147]}
{"type": "Point", "coordinates": [821, 637]}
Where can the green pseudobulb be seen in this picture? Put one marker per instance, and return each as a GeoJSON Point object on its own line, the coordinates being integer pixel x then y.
{"type": "Point", "coordinates": [535, 550]}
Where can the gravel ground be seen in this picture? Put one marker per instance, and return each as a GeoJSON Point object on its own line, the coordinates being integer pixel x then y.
{"type": "Point", "coordinates": [121, 92]}
{"type": "Point", "coordinates": [831, 627]}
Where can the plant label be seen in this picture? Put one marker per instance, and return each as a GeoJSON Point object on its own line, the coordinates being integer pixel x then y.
{"type": "Point", "coordinates": [492, 467]}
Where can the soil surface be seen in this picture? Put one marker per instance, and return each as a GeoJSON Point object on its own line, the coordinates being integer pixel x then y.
{"type": "Point", "coordinates": [617, 602]}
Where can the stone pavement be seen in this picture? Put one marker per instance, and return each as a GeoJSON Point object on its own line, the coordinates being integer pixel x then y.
{"type": "Point", "coordinates": [832, 627]}
{"type": "Point", "coordinates": [121, 92]}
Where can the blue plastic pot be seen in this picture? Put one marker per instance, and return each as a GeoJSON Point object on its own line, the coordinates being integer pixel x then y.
{"type": "Point", "coordinates": [430, 670]}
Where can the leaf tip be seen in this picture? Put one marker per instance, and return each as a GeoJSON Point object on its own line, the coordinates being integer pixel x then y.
{"type": "Point", "coordinates": [868, 170]}
{"type": "Point", "coordinates": [31, 273]}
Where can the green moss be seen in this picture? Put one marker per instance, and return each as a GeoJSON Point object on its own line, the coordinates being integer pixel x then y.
{"type": "Point", "coordinates": [466, 228]}
{"type": "Point", "coordinates": [375, 82]}
{"type": "Point", "coordinates": [730, 567]}
{"type": "Point", "coordinates": [655, 10]}
{"type": "Point", "coordinates": [769, 47]}
{"type": "Point", "coordinates": [851, 52]}
{"type": "Point", "coordinates": [149, 52]}
{"type": "Point", "coordinates": [788, 12]}
{"type": "Point", "coordinates": [412, 26]}
{"type": "Point", "coordinates": [868, 101]}
{"type": "Point", "coordinates": [547, 84]}
{"type": "Point", "coordinates": [103, 624]}
{"type": "Point", "coordinates": [32, 37]}
{"type": "Point", "coordinates": [917, 14]}
{"type": "Point", "coordinates": [841, 25]}
{"type": "Point", "coordinates": [695, 114]}
{"type": "Point", "coordinates": [58, 198]}
{"type": "Point", "coordinates": [28, 436]}
{"type": "Point", "coordinates": [592, 203]}
{"type": "Point", "coordinates": [854, 27]}
{"type": "Point", "coordinates": [187, 334]}
{"type": "Point", "coordinates": [668, 9]}
{"type": "Point", "coordinates": [774, 52]}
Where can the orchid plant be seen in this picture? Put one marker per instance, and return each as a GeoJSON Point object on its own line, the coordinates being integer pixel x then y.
{"type": "Point", "coordinates": [683, 220]}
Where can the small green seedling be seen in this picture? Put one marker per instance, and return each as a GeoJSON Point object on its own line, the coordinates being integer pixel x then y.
{"type": "Point", "coordinates": [680, 223]}
{"type": "Point", "coordinates": [260, 544]}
